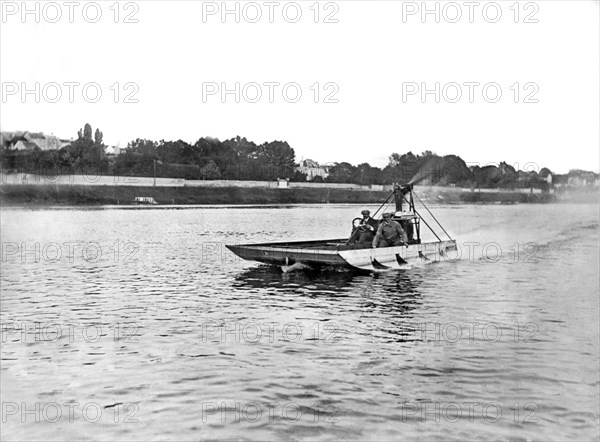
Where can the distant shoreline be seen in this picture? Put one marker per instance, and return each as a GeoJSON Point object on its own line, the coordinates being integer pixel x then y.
{"type": "Point", "coordinates": [16, 195]}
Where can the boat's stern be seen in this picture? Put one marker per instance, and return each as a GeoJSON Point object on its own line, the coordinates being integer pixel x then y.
{"type": "Point", "coordinates": [312, 253]}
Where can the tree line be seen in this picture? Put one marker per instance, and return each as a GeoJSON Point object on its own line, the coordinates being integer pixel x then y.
{"type": "Point", "coordinates": [241, 159]}
{"type": "Point", "coordinates": [428, 168]}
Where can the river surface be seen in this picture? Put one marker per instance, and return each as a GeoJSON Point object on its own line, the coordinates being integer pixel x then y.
{"type": "Point", "coordinates": [138, 324]}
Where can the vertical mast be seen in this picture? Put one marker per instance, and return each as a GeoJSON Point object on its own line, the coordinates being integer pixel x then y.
{"type": "Point", "coordinates": [400, 199]}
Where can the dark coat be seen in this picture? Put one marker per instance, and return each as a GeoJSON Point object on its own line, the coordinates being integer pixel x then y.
{"type": "Point", "coordinates": [371, 222]}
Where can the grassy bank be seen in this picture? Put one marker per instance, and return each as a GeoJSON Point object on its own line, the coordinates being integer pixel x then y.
{"type": "Point", "coordinates": [102, 195]}
{"type": "Point", "coordinates": [16, 195]}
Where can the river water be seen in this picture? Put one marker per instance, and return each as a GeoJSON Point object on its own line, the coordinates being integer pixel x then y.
{"type": "Point", "coordinates": [137, 324]}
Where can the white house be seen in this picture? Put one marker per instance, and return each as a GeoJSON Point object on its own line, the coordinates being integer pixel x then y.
{"type": "Point", "coordinates": [312, 169]}
{"type": "Point", "coordinates": [113, 150]}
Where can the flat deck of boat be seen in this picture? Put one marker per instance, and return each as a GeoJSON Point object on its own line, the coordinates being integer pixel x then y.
{"type": "Point", "coordinates": [326, 244]}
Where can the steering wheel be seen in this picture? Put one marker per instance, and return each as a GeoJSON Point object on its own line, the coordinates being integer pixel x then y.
{"type": "Point", "coordinates": [356, 225]}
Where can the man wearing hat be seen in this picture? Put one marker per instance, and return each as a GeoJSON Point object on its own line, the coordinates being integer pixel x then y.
{"type": "Point", "coordinates": [390, 233]}
{"type": "Point", "coordinates": [365, 232]}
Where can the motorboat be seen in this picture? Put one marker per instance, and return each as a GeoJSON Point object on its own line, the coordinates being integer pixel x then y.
{"type": "Point", "coordinates": [343, 253]}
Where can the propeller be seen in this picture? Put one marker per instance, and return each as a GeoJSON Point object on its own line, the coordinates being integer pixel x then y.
{"type": "Point", "coordinates": [422, 173]}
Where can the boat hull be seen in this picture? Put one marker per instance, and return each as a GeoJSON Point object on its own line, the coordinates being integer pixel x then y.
{"type": "Point", "coordinates": [385, 258]}
{"type": "Point", "coordinates": [335, 253]}
{"type": "Point", "coordinates": [313, 253]}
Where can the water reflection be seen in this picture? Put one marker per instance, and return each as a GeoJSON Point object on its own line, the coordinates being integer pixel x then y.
{"type": "Point", "coordinates": [385, 304]}
{"type": "Point", "coordinates": [390, 306]}
{"type": "Point", "coordinates": [375, 287]}
{"type": "Point", "coordinates": [393, 293]}
{"type": "Point", "coordinates": [307, 282]}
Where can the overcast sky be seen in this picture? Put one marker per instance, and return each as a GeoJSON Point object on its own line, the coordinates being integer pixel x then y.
{"type": "Point", "coordinates": [370, 60]}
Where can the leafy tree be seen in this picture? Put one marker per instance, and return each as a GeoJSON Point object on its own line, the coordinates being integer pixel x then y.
{"type": "Point", "coordinates": [400, 168]}
{"type": "Point", "coordinates": [85, 154]}
{"type": "Point", "coordinates": [98, 137]}
{"type": "Point", "coordinates": [394, 160]}
{"type": "Point", "coordinates": [144, 147]}
{"type": "Point", "coordinates": [366, 174]}
{"type": "Point", "coordinates": [87, 132]}
{"type": "Point", "coordinates": [172, 151]}
{"type": "Point", "coordinates": [210, 171]}
{"type": "Point", "coordinates": [278, 157]}
{"type": "Point", "coordinates": [211, 149]}
{"type": "Point", "coordinates": [341, 173]}
{"type": "Point", "coordinates": [454, 171]}
{"type": "Point", "coordinates": [298, 177]}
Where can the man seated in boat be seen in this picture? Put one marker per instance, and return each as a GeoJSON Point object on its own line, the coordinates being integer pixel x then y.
{"type": "Point", "coordinates": [390, 233]}
{"type": "Point", "coordinates": [365, 231]}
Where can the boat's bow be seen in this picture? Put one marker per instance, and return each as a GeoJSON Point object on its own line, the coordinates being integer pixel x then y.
{"type": "Point", "coordinates": [385, 258]}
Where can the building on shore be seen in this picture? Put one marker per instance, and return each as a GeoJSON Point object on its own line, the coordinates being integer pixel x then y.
{"type": "Point", "coordinates": [312, 169]}
{"type": "Point", "coordinates": [582, 178]}
{"type": "Point", "coordinates": [113, 150]}
{"type": "Point", "coordinates": [24, 140]}
{"type": "Point", "coordinates": [24, 145]}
